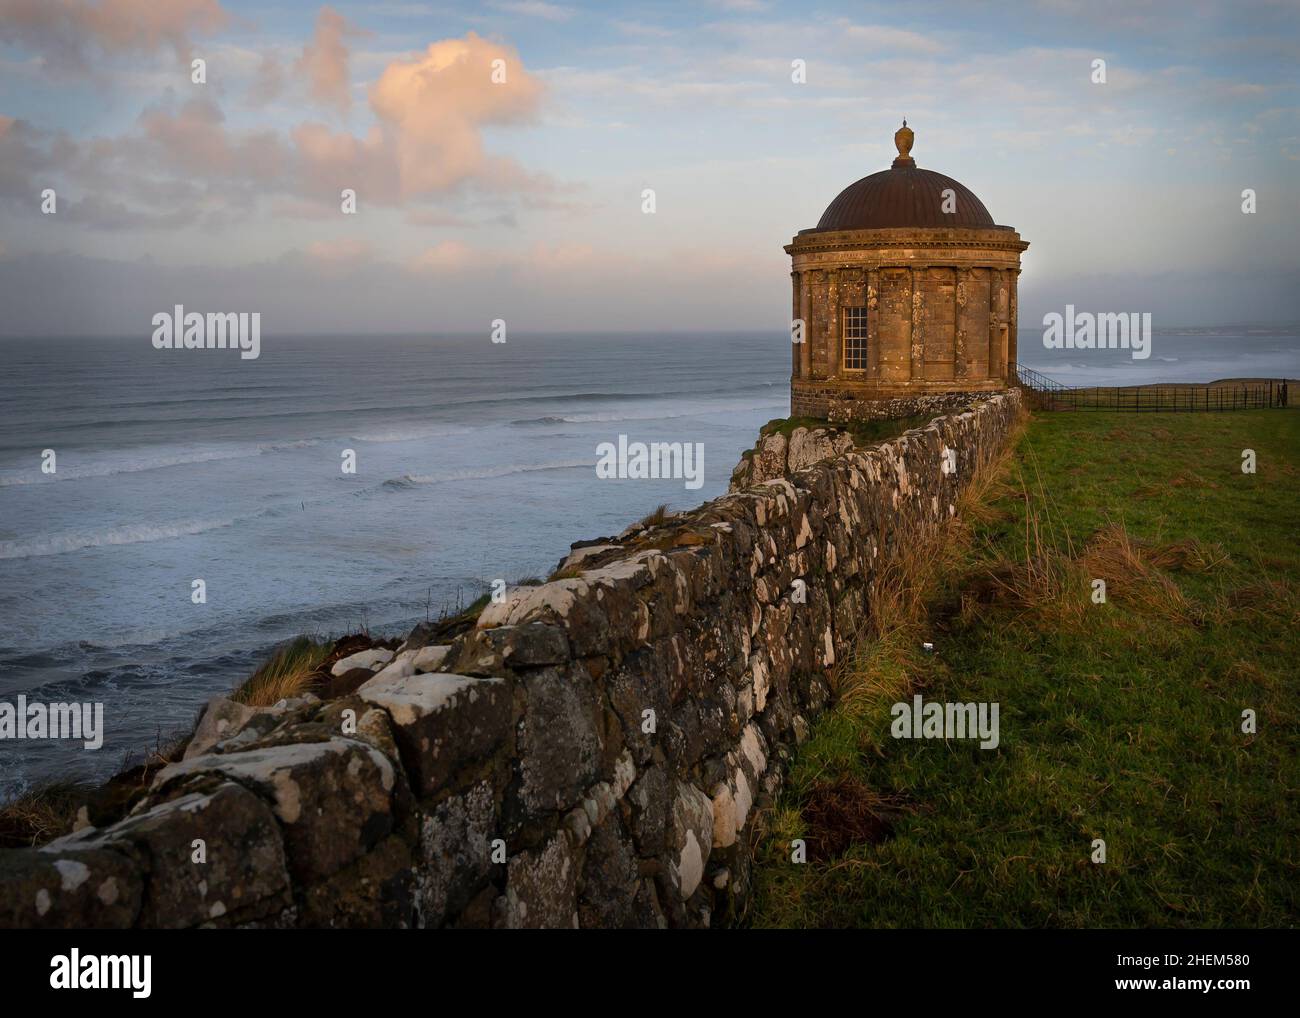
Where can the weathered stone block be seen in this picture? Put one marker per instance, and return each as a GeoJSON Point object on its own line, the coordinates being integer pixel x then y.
{"type": "Point", "coordinates": [441, 720]}
{"type": "Point", "coordinates": [69, 889]}
{"type": "Point", "coordinates": [375, 892]}
{"type": "Point", "coordinates": [455, 853]}
{"type": "Point", "coordinates": [333, 798]}
{"type": "Point", "coordinates": [692, 817]}
{"type": "Point", "coordinates": [541, 889]}
{"type": "Point", "coordinates": [560, 743]}
{"type": "Point", "coordinates": [608, 886]}
{"type": "Point", "coordinates": [493, 651]}
{"type": "Point", "coordinates": [221, 718]}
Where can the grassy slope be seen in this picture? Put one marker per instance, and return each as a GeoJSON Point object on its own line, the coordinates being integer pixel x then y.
{"type": "Point", "coordinates": [1118, 721]}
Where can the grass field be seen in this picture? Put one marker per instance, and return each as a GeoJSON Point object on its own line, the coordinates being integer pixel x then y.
{"type": "Point", "coordinates": [1119, 721]}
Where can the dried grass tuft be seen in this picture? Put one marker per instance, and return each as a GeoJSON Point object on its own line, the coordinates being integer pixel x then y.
{"type": "Point", "coordinates": [40, 815]}
{"type": "Point", "coordinates": [1131, 571]}
{"type": "Point", "coordinates": [290, 672]}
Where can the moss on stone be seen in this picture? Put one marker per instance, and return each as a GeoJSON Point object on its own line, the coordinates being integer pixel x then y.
{"type": "Point", "coordinates": [862, 432]}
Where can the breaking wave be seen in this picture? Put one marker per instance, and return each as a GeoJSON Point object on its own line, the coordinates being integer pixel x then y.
{"type": "Point", "coordinates": [414, 480]}
{"type": "Point", "coordinates": [131, 533]}
{"type": "Point", "coordinates": [409, 434]}
{"type": "Point", "coordinates": [611, 417]}
{"type": "Point", "coordinates": [136, 533]}
{"type": "Point", "coordinates": [77, 473]}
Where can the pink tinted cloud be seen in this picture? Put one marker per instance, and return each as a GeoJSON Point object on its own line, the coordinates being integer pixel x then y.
{"type": "Point", "coordinates": [433, 108]}
{"type": "Point", "coordinates": [450, 256]}
{"type": "Point", "coordinates": [429, 109]}
{"type": "Point", "coordinates": [343, 250]}
{"type": "Point", "coordinates": [268, 82]}
{"type": "Point", "coordinates": [324, 61]}
{"type": "Point", "coordinates": [194, 140]}
{"type": "Point", "coordinates": [328, 161]}
{"type": "Point", "coordinates": [69, 33]}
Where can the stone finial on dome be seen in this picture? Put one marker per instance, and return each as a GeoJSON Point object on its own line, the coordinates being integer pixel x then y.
{"type": "Point", "coordinates": [903, 142]}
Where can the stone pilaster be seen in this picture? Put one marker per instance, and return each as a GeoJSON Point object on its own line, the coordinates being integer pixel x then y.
{"type": "Point", "coordinates": [915, 335]}
{"type": "Point", "coordinates": [805, 309]}
{"type": "Point", "coordinates": [795, 359]}
{"type": "Point", "coordinates": [832, 323]}
{"type": "Point", "coordinates": [959, 297]}
{"type": "Point", "coordinates": [1013, 321]}
{"type": "Point", "coordinates": [995, 324]}
{"type": "Point", "coordinates": [989, 297]}
{"type": "Point", "coordinates": [873, 325]}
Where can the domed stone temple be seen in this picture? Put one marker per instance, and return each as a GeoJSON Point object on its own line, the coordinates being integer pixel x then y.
{"type": "Point", "coordinates": [907, 294]}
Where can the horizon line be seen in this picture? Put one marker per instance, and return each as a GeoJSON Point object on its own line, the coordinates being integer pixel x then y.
{"type": "Point", "coordinates": [462, 333]}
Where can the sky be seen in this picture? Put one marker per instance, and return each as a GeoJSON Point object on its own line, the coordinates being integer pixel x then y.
{"type": "Point", "coordinates": [522, 199]}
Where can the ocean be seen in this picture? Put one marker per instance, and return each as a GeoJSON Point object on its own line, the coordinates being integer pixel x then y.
{"type": "Point", "coordinates": [474, 461]}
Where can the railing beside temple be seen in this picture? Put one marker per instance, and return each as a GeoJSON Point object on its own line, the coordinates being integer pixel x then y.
{"type": "Point", "coordinates": [1048, 394]}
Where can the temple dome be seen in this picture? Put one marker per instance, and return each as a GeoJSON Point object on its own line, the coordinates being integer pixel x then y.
{"type": "Point", "coordinates": [904, 195]}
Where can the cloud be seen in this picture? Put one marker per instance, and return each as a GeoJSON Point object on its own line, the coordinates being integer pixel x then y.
{"type": "Point", "coordinates": [339, 252]}
{"type": "Point", "coordinates": [433, 109]}
{"type": "Point", "coordinates": [68, 34]}
{"type": "Point", "coordinates": [536, 9]}
{"type": "Point", "coordinates": [435, 218]}
{"type": "Point", "coordinates": [23, 155]}
{"type": "Point", "coordinates": [182, 160]}
{"type": "Point", "coordinates": [324, 61]}
{"type": "Point", "coordinates": [178, 164]}
{"type": "Point", "coordinates": [337, 285]}
{"type": "Point", "coordinates": [268, 82]}
{"type": "Point", "coordinates": [544, 265]}
{"type": "Point", "coordinates": [882, 37]}
{"type": "Point", "coordinates": [194, 141]}
{"type": "Point", "coordinates": [450, 256]}
{"type": "Point", "coordinates": [639, 28]}
{"type": "Point", "coordinates": [327, 161]}
{"type": "Point", "coordinates": [111, 214]}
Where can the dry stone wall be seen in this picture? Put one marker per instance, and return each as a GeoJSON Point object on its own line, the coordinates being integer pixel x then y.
{"type": "Point", "coordinates": [592, 753]}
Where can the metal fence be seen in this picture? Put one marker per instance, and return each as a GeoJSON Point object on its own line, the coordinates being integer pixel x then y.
{"type": "Point", "coordinates": [1048, 394]}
